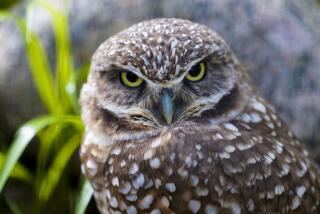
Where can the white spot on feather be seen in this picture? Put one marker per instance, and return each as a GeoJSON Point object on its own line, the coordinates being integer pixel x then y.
{"type": "Point", "coordinates": [259, 107]}
{"type": "Point", "coordinates": [116, 151]}
{"type": "Point", "coordinates": [194, 180]}
{"type": "Point", "coordinates": [295, 203]}
{"type": "Point", "coordinates": [138, 181]}
{"type": "Point", "coordinates": [229, 148]}
{"type": "Point", "coordinates": [146, 202]}
{"type": "Point", "coordinates": [194, 205]}
{"type": "Point", "coordinates": [125, 188]}
{"type": "Point", "coordinates": [300, 191]}
{"type": "Point", "coordinates": [165, 202]}
{"type": "Point", "coordinates": [279, 189]}
{"type": "Point", "coordinates": [132, 210]}
{"type": "Point", "coordinates": [171, 187]}
{"type": "Point", "coordinates": [211, 209]}
{"type": "Point", "coordinates": [231, 127]}
{"type": "Point", "coordinates": [134, 168]}
{"type": "Point", "coordinates": [115, 181]}
{"type": "Point", "coordinates": [155, 163]}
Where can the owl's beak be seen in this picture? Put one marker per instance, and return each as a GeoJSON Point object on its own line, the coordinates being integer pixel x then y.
{"type": "Point", "coordinates": [167, 107]}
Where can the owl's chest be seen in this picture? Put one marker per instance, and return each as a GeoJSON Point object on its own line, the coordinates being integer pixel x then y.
{"type": "Point", "coordinates": [229, 169]}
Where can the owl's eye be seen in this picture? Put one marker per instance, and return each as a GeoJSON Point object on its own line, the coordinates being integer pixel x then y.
{"type": "Point", "coordinates": [130, 80]}
{"type": "Point", "coordinates": [197, 72]}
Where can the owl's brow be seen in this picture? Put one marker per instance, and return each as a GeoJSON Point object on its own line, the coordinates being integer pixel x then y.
{"type": "Point", "coordinates": [211, 57]}
{"type": "Point", "coordinates": [134, 70]}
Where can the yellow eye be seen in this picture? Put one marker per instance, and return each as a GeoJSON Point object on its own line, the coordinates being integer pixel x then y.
{"type": "Point", "coordinates": [130, 80]}
{"type": "Point", "coordinates": [197, 72]}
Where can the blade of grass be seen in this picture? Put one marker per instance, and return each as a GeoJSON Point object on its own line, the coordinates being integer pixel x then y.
{"type": "Point", "coordinates": [46, 138]}
{"type": "Point", "coordinates": [22, 139]}
{"type": "Point", "coordinates": [40, 69]}
{"type": "Point", "coordinates": [60, 161]}
{"type": "Point", "coordinates": [64, 65]}
{"type": "Point", "coordinates": [19, 171]}
{"type": "Point", "coordinates": [78, 77]}
{"type": "Point", "coordinates": [14, 208]}
{"type": "Point", "coordinates": [24, 136]}
{"type": "Point", "coordinates": [84, 197]}
{"type": "Point", "coordinates": [71, 90]}
{"type": "Point", "coordinates": [38, 62]}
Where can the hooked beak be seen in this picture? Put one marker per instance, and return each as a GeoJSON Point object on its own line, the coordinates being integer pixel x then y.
{"type": "Point", "coordinates": [167, 107]}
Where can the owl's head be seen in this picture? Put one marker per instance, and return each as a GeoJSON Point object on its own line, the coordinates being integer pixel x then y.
{"type": "Point", "coordinates": [159, 73]}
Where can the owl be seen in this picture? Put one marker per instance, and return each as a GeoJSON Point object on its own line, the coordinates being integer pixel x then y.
{"type": "Point", "coordinates": [174, 125]}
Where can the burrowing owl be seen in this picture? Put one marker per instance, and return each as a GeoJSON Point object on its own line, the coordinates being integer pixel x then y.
{"type": "Point", "coordinates": [173, 125]}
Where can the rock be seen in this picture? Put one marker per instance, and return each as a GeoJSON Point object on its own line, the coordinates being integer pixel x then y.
{"type": "Point", "coordinates": [278, 40]}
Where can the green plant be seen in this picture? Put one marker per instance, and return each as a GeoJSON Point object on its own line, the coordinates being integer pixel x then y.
{"type": "Point", "coordinates": [59, 132]}
{"type": "Point", "coordinates": [7, 3]}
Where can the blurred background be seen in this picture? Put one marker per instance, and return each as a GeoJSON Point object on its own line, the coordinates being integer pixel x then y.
{"type": "Point", "coordinates": [45, 50]}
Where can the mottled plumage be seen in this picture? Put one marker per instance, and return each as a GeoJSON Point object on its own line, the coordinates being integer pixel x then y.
{"type": "Point", "coordinates": [226, 149]}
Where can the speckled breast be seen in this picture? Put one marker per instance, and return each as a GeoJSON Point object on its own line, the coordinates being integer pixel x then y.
{"type": "Point", "coordinates": [232, 167]}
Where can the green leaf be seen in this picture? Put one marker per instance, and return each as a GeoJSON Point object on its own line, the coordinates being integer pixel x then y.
{"type": "Point", "coordinates": [71, 89]}
{"type": "Point", "coordinates": [14, 208]}
{"type": "Point", "coordinates": [64, 64]}
{"type": "Point", "coordinates": [84, 197]}
{"type": "Point", "coordinates": [22, 139]}
{"type": "Point", "coordinates": [25, 135]}
{"type": "Point", "coordinates": [40, 69]}
{"type": "Point", "coordinates": [19, 171]}
{"type": "Point", "coordinates": [60, 161]}
{"type": "Point", "coordinates": [38, 62]}
{"type": "Point", "coordinates": [4, 14]}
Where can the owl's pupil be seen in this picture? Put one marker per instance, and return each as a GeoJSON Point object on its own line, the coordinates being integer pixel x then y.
{"type": "Point", "coordinates": [132, 77]}
{"type": "Point", "coordinates": [194, 71]}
